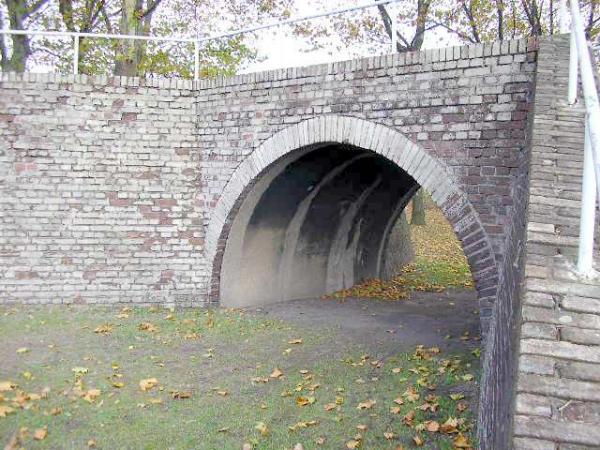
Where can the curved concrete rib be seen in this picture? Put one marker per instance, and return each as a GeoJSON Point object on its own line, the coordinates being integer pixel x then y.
{"type": "Point", "coordinates": [388, 228]}
{"type": "Point", "coordinates": [340, 263]}
{"type": "Point", "coordinates": [292, 232]}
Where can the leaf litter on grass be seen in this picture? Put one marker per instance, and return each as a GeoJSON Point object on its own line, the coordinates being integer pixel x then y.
{"type": "Point", "coordinates": [439, 264]}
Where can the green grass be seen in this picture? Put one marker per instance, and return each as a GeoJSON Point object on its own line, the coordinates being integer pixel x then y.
{"type": "Point", "coordinates": [439, 264]}
{"type": "Point", "coordinates": [203, 352]}
{"type": "Point", "coordinates": [432, 275]}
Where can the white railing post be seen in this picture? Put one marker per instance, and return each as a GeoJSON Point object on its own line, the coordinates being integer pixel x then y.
{"type": "Point", "coordinates": [573, 70]}
{"type": "Point", "coordinates": [587, 222]}
{"type": "Point", "coordinates": [588, 81]}
{"type": "Point", "coordinates": [196, 60]}
{"type": "Point", "coordinates": [75, 54]}
{"type": "Point", "coordinates": [394, 33]}
{"type": "Point", "coordinates": [591, 170]}
{"type": "Point", "coordinates": [563, 11]}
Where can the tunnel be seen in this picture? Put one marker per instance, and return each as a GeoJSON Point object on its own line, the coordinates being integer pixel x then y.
{"type": "Point", "coordinates": [316, 221]}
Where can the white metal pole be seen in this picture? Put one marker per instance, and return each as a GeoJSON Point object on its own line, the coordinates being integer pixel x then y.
{"type": "Point", "coordinates": [196, 60]}
{"type": "Point", "coordinates": [562, 19]}
{"type": "Point", "coordinates": [591, 169]}
{"type": "Point", "coordinates": [587, 223]}
{"type": "Point", "coordinates": [394, 33]}
{"type": "Point", "coordinates": [590, 93]}
{"type": "Point", "coordinates": [75, 54]}
{"type": "Point", "coordinates": [208, 38]}
{"type": "Point", "coordinates": [573, 70]}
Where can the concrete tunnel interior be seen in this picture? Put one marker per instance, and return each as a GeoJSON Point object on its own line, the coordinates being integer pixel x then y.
{"type": "Point", "coordinates": [316, 221]}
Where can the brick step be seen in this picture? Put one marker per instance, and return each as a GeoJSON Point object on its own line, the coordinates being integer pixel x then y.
{"type": "Point", "coordinates": [559, 387]}
{"type": "Point", "coordinates": [552, 430]}
{"type": "Point", "coordinates": [550, 316]}
{"type": "Point", "coordinates": [559, 349]}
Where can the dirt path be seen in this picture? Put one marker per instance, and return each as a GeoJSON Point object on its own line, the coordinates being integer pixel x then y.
{"type": "Point", "coordinates": [426, 319]}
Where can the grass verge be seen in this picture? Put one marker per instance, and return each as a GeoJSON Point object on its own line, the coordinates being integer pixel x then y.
{"type": "Point", "coordinates": [91, 377]}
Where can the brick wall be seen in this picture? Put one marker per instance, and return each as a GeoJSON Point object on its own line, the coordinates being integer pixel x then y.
{"type": "Point", "coordinates": [499, 360]}
{"type": "Point", "coordinates": [99, 191]}
{"type": "Point", "coordinates": [111, 182]}
{"type": "Point", "coordinates": [557, 404]}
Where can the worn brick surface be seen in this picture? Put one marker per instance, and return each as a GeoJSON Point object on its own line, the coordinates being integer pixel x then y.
{"type": "Point", "coordinates": [111, 182]}
{"type": "Point", "coordinates": [557, 401]}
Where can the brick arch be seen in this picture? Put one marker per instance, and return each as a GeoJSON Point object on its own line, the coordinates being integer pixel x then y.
{"type": "Point", "coordinates": [387, 142]}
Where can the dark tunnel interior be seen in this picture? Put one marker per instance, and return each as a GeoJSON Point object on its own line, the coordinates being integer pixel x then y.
{"type": "Point", "coordinates": [315, 222]}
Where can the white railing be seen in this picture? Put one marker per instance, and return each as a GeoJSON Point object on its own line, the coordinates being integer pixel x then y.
{"type": "Point", "coordinates": [580, 63]}
{"type": "Point", "coordinates": [200, 40]}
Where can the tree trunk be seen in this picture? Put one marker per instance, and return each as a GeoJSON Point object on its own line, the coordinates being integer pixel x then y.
{"type": "Point", "coordinates": [87, 22]}
{"type": "Point", "coordinates": [404, 44]}
{"type": "Point", "coordinates": [136, 18]}
{"type": "Point", "coordinates": [418, 208]}
{"type": "Point", "coordinates": [18, 11]}
{"type": "Point", "coordinates": [399, 250]}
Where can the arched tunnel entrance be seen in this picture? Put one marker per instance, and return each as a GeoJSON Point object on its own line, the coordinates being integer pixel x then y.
{"type": "Point", "coordinates": [310, 210]}
{"type": "Point", "coordinates": [316, 222]}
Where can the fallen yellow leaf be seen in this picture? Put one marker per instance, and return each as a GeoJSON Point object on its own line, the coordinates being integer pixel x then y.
{"type": "Point", "coordinates": [40, 434]}
{"type": "Point", "coordinates": [262, 428]}
{"type": "Point", "coordinates": [449, 426]}
{"type": "Point", "coordinates": [22, 350]}
{"type": "Point", "coordinates": [418, 440]}
{"type": "Point", "coordinates": [181, 394]}
{"type": "Point", "coordinates": [303, 401]}
{"type": "Point", "coordinates": [300, 425]}
{"type": "Point", "coordinates": [5, 410]}
{"type": "Point", "coordinates": [432, 426]}
{"type": "Point", "coordinates": [147, 326]}
{"type": "Point", "coordinates": [461, 442]}
{"type": "Point", "coordinates": [148, 383]}
{"type": "Point", "coordinates": [91, 395]}
{"type": "Point", "coordinates": [366, 404]}
{"type": "Point", "coordinates": [7, 386]}
{"type": "Point", "coordinates": [276, 373]}
{"type": "Point", "coordinates": [103, 329]}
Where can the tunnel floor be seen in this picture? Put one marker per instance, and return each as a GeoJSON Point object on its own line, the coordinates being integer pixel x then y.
{"type": "Point", "coordinates": [429, 319]}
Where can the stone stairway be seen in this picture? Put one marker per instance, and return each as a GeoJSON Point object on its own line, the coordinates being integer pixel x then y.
{"type": "Point", "coordinates": [557, 404]}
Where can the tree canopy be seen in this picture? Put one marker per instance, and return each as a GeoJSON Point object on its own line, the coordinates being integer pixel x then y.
{"type": "Point", "coordinates": [420, 22]}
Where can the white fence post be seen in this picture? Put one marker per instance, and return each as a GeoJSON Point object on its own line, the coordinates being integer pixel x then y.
{"type": "Point", "coordinates": [196, 60]}
{"type": "Point", "coordinates": [573, 70]}
{"type": "Point", "coordinates": [563, 12]}
{"type": "Point", "coordinates": [591, 169]}
{"type": "Point", "coordinates": [394, 33]}
{"type": "Point", "coordinates": [587, 223]}
{"type": "Point", "coordinates": [75, 54]}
